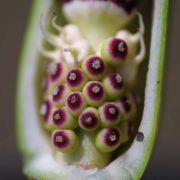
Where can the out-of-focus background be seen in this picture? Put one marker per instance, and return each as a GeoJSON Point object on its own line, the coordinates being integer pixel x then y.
{"type": "Point", "coordinates": [165, 163]}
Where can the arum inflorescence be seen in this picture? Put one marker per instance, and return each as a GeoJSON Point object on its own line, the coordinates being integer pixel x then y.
{"type": "Point", "coordinates": [88, 105]}
{"type": "Point", "coordinates": [91, 125]}
{"type": "Point", "coordinates": [87, 91]}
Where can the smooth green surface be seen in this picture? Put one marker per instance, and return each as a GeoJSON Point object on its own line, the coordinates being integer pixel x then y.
{"type": "Point", "coordinates": [159, 31]}
{"type": "Point", "coordinates": [31, 139]}
{"type": "Point", "coordinates": [160, 25]}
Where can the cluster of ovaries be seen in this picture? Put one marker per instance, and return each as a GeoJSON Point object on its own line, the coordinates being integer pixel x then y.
{"type": "Point", "coordinates": [87, 90]}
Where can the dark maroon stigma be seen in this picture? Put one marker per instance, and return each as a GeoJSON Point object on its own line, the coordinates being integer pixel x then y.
{"type": "Point", "coordinates": [88, 120]}
{"type": "Point", "coordinates": [58, 92]}
{"type": "Point", "coordinates": [95, 90]}
{"type": "Point", "coordinates": [118, 48]}
{"type": "Point", "coordinates": [74, 101]}
{"type": "Point", "coordinates": [95, 65]}
{"type": "Point", "coordinates": [126, 103]}
{"type": "Point", "coordinates": [111, 112]}
{"type": "Point", "coordinates": [59, 117]}
{"type": "Point", "coordinates": [116, 80]}
{"type": "Point", "coordinates": [127, 5]}
{"type": "Point", "coordinates": [45, 110]}
{"type": "Point", "coordinates": [112, 136]}
{"type": "Point", "coordinates": [75, 77]}
{"type": "Point", "coordinates": [55, 71]}
{"type": "Point", "coordinates": [60, 139]}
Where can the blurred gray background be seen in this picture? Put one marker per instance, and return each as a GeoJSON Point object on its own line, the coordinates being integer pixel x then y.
{"type": "Point", "coordinates": [165, 163]}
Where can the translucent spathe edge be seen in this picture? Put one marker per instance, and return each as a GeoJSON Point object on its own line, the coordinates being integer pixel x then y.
{"type": "Point", "coordinates": [35, 147]}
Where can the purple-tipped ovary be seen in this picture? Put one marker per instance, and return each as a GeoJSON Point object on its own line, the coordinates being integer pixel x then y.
{"type": "Point", "coordinates": [57, 72]}
{"type": "Point", "coordinates": [89, 119]}
{"type": "Point", "coordinates": [45, 110]}
{"type": "Point", "coordinates": [75, 103]}
{"type": "Point", "coordinates": [94, 93]}
{"type": "Point", "coordinates": [76, 79]}
{"type": "Point", "coordinates": [126, 104]}
{"type": "Point", "coordinates": [112, 136]}
{"type": "Point", "coordinates": [118, 49]}
{"type": "Point", "coordinates": [116, 81]}
{"type": "Point", "coordinates": [111, 112]}
{"type": "Point", "coordinates": [59, 95]}
{"type": "Point", "coordinates": [58, 92]}
{"type": "Point", "coordinates": [114, 51]}
{"type": "Point", "coordinates": [108, 139]}
{"type": "Point", "coordinates": [59, 117]}
{"type": "Point", "coordinates": [62, 119]}
{"type": "Point", "coordinates": [94, 67]}
{"type": "Point", "coordinates": [113, 85]}
{"type": "Point", "coordinates": [65, 140]}
{"type": "Point", "coordinates": [61, 139]}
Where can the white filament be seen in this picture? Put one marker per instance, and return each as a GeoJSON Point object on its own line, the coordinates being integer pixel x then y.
{"type": "Point", "coordinates": [139, 57]}
{"type": "Point", "coordinates": [56, 26]}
